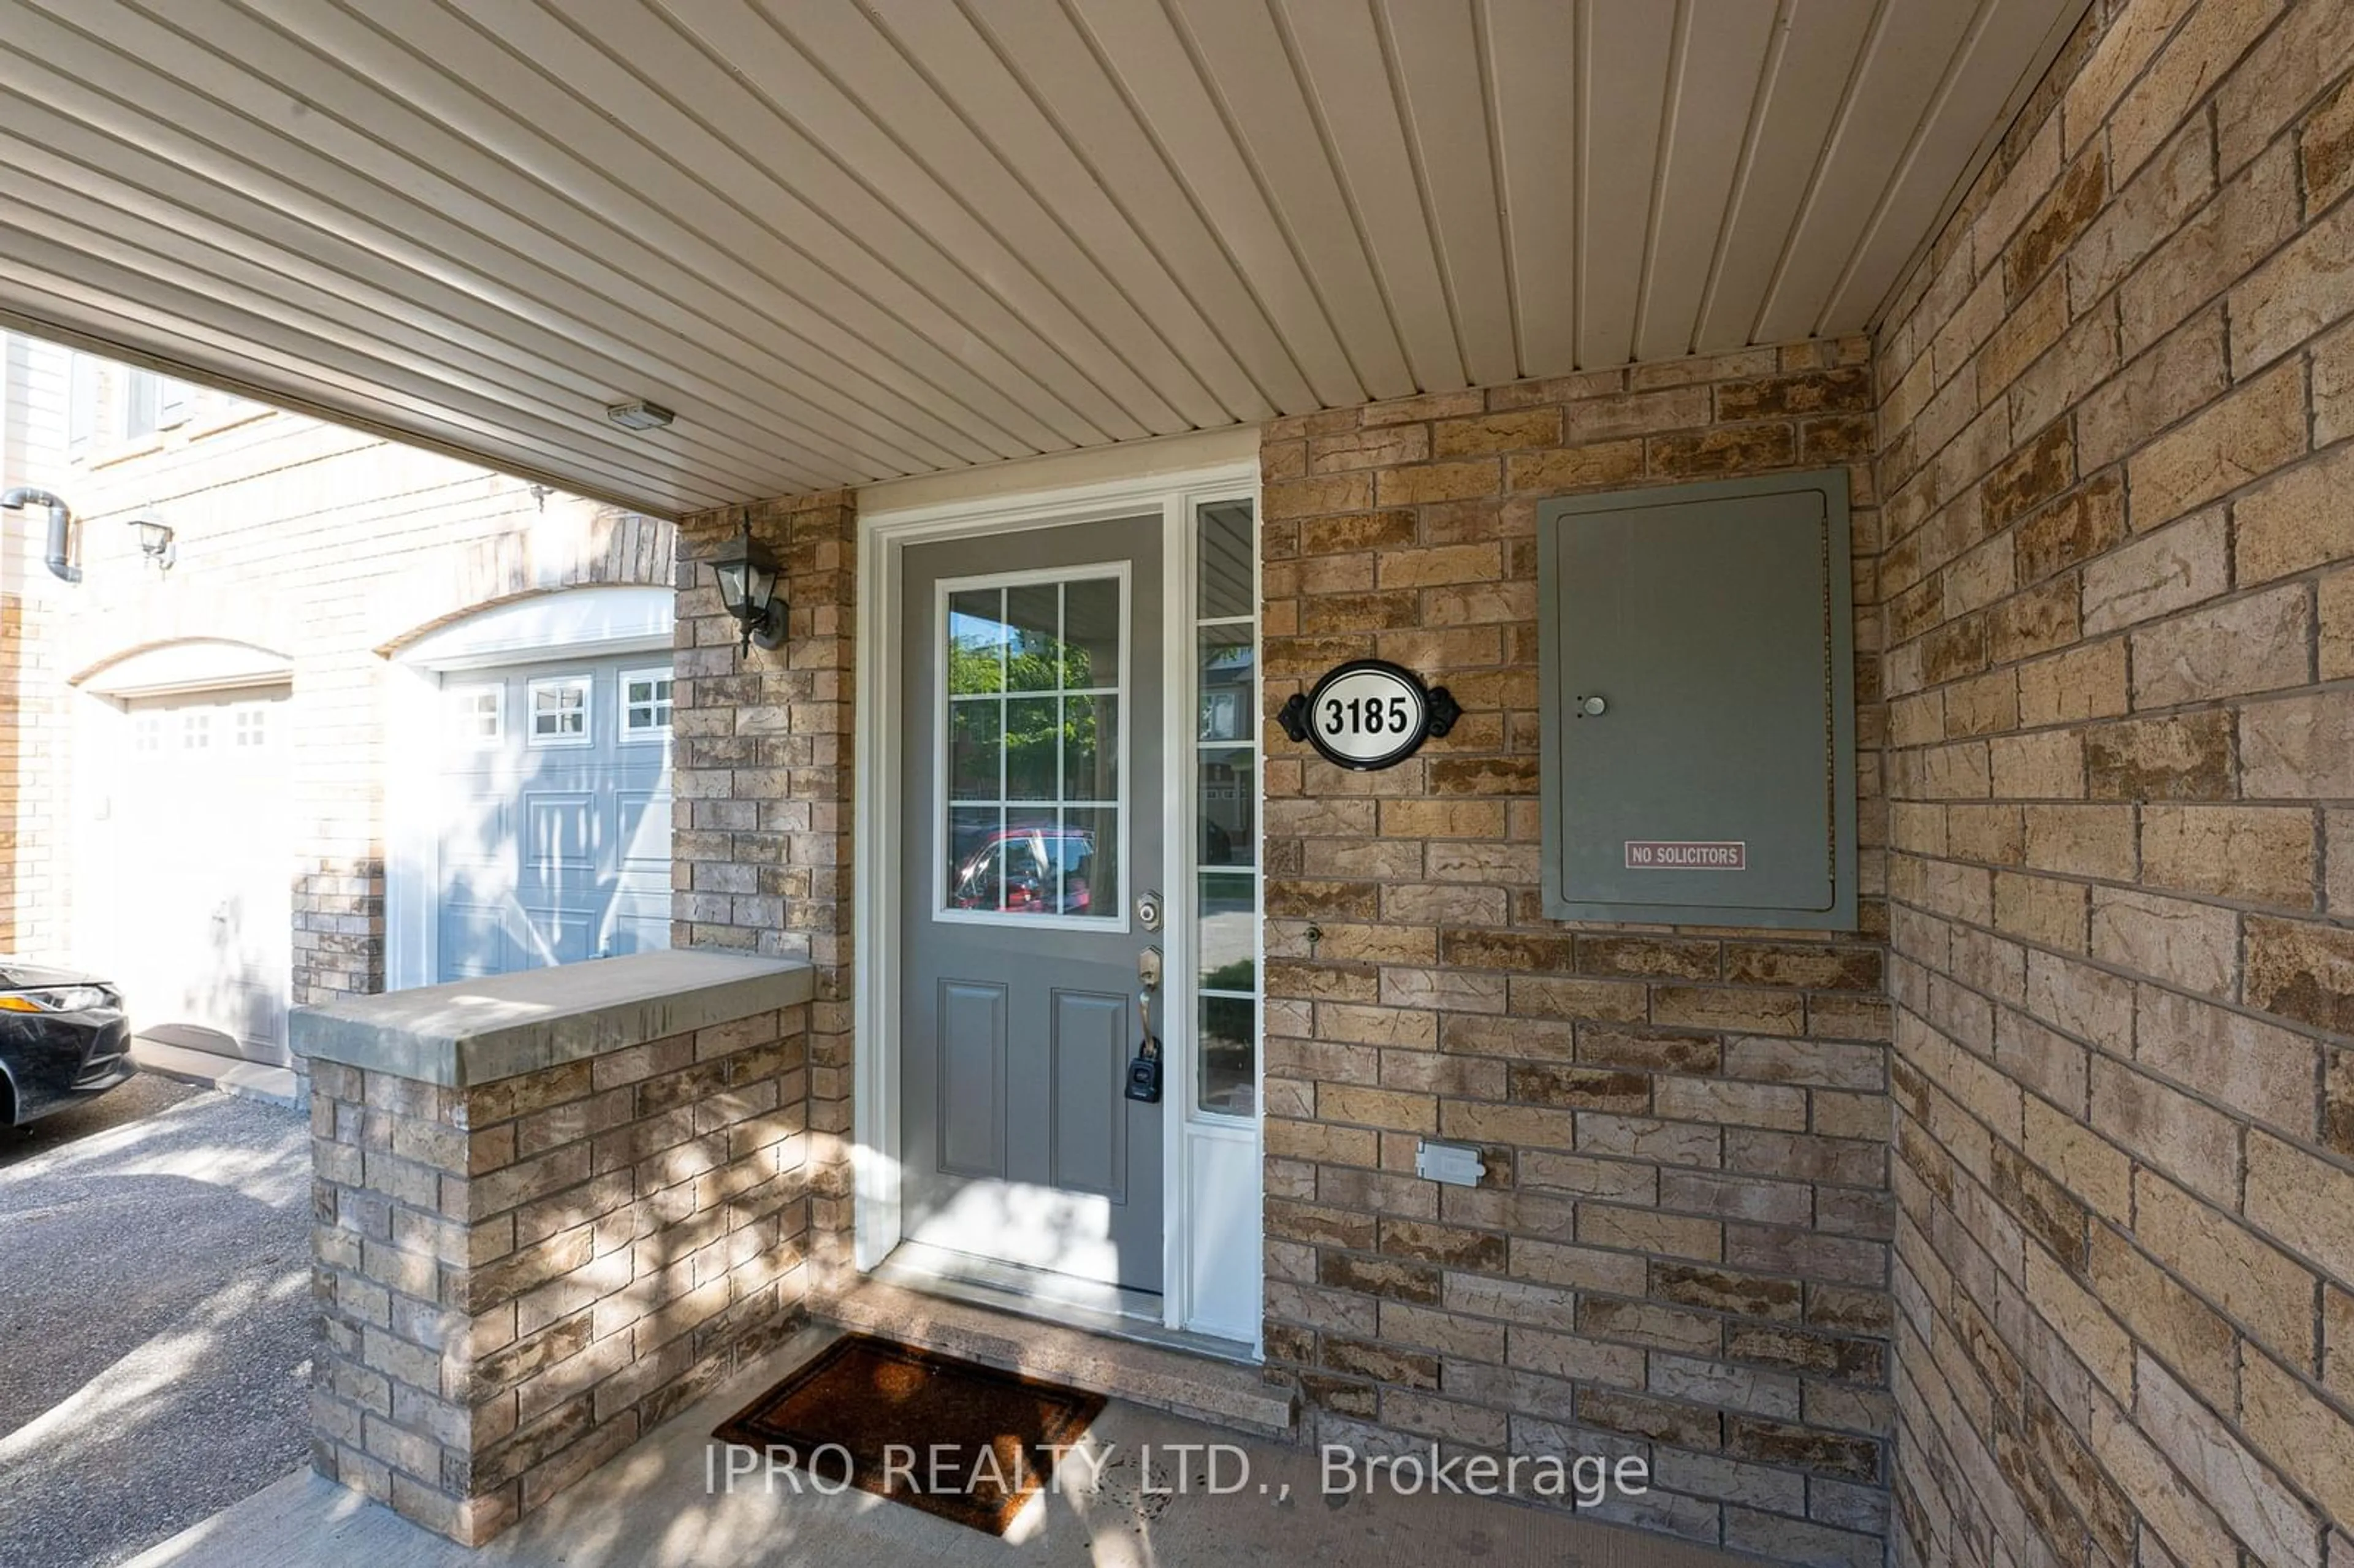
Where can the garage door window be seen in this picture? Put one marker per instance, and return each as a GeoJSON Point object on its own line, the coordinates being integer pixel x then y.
{"type": "Point", "coordinates": [552, 832]}
{"type": "Point", "coordinates": [560, 712]}
{"type": "Point", "coordinates": [478, 715]}
{"type": "Point", "coordinates": [196, 730]}
{"type": "Point", "coordinates": [645, 705]}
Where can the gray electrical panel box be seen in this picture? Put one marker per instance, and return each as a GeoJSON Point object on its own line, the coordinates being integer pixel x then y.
{"type": "Point", "coordinates": [1698, 684]}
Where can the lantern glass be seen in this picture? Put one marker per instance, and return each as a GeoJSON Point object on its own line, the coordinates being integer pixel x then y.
{"type": "Point", "coordinates": [731, 576]}
{"type": "Point", "coordinates": [746, 581]}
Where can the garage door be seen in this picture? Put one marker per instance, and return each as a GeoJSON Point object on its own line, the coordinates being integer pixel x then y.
{"type": "Point", "coordinates": [554, 813]}
{"type": "Point", "coordinates": [200, 845]}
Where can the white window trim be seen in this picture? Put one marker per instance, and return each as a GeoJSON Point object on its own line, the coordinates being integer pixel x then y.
{"type": "Point", "coordinates": [1124, 807]}
{"type": "Point", "coordinates": [655, 735]}
{"type": "Point", "coordinates": [175, 402]}
{"type": "Point", "coordinates": [130, 380]}
{"type": "Point", "coordinates": [459, 715]}
{"type": "Point", "coordinates": [85, 408]}
{"type": "Point", "coordinates": [586, 686]}
{"type": "Point", "coordinates": [114, 443]}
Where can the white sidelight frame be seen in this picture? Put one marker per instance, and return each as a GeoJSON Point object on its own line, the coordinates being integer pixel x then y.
{"type": "Point", "coordinates": [1211, 1175]}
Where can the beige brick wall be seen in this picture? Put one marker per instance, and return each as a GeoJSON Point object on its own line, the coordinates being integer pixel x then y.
{"type": "Point", "coordinates": [761, 824]}
{"type": "Point", "coordinates": [32, 451]}
{"type": "Point", "coordinates": [2115, 405]}
{"type": "Point", "coordinates": [20, 875]}
{"type": "Point", "coordinates": [1681, 1249]}
{"type": "Point", "coordinates": [35, 800]}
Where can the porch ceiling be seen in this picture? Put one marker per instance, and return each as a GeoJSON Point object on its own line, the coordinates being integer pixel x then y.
{"type": "Point", "coordinates": [850, 239]}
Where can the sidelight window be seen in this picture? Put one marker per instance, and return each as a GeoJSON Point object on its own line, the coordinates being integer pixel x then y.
{"type": "Point", "coordinates": [1225, 798]}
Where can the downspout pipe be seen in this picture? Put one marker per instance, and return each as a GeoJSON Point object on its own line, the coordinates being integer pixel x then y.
{"type": "Point", "coordinates": [60, 556]}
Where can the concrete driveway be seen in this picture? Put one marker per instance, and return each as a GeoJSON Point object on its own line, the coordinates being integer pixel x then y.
{"type": "Point", "coordinates": [155, 1323]}
{"type": "Point", "coordinates": [141, 1098]}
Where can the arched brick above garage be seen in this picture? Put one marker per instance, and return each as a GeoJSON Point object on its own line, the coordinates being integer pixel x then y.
{"type": "Point", "coordinates": [607, 548]}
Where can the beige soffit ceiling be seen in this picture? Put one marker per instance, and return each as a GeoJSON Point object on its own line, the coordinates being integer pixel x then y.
{"type": "Point", "coordinates": [848, 241]}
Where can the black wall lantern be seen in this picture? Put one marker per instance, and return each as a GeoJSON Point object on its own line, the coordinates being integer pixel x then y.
{"type": "Point", "coordinates": [748, 588]}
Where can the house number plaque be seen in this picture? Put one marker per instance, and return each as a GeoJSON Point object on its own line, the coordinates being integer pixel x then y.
{"type": "Point", "coordinates": [1368, 714]}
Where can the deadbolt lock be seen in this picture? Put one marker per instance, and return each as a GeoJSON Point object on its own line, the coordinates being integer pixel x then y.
{"type": "Point", "coordinates": [1148, 910]}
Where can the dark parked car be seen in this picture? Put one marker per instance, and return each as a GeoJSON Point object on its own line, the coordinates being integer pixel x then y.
{"type": "Point", "coordinates": [63, 1039]}
{"type": "Point", "coordinates": [1041, 871]}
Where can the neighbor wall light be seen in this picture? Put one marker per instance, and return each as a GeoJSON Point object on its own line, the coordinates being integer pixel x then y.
{"type": "Point", "coordinates": [155, 543]}
{"type": "Point", "coordinates": [748, 588]}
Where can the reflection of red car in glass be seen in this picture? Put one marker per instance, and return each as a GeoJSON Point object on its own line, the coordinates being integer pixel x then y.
{"type": "Point", "coordinates": [1043, 870]}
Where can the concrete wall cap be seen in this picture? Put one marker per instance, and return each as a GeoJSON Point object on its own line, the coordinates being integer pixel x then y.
{"type": "Point", "coordinates": [479, 1031]}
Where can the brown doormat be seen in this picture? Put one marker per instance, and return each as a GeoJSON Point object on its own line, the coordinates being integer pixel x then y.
{"type": "Point", "coordinates": [968, 1443]}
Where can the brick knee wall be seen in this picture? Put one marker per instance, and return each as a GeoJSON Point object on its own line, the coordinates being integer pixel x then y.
{"type": "Point", "coordinates": [1681, 1247]}
{"type": "Point", "coordinates": [2116, 405]}
{"type": "Point", "coordinates": [517, 1280]}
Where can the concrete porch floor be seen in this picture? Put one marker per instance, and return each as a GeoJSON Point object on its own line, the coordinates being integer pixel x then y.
{"type": "Point", "coordinates": [654, 1506]}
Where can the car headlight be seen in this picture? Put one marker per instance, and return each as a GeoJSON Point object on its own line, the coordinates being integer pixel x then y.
{"type": "Point", "coordinates": [57, 999]}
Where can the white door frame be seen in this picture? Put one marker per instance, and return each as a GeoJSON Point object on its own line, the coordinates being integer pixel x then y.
{"type": "Point", "coordinates": [882, 537]}
{"type": "Point", "coordinates": [590, 621]}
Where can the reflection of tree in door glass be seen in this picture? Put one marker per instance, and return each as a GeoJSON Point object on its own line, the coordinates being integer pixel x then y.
{"type": "Point", "coordinates": [1229, 1056]}
{"type": "Point", "coordinates": [1033, 747]}
{"type": "Point", "coordinates": [1225, 763]}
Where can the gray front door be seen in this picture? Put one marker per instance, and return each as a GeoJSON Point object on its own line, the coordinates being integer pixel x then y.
{"type": "Point", "coordinates": [1030, 819]}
